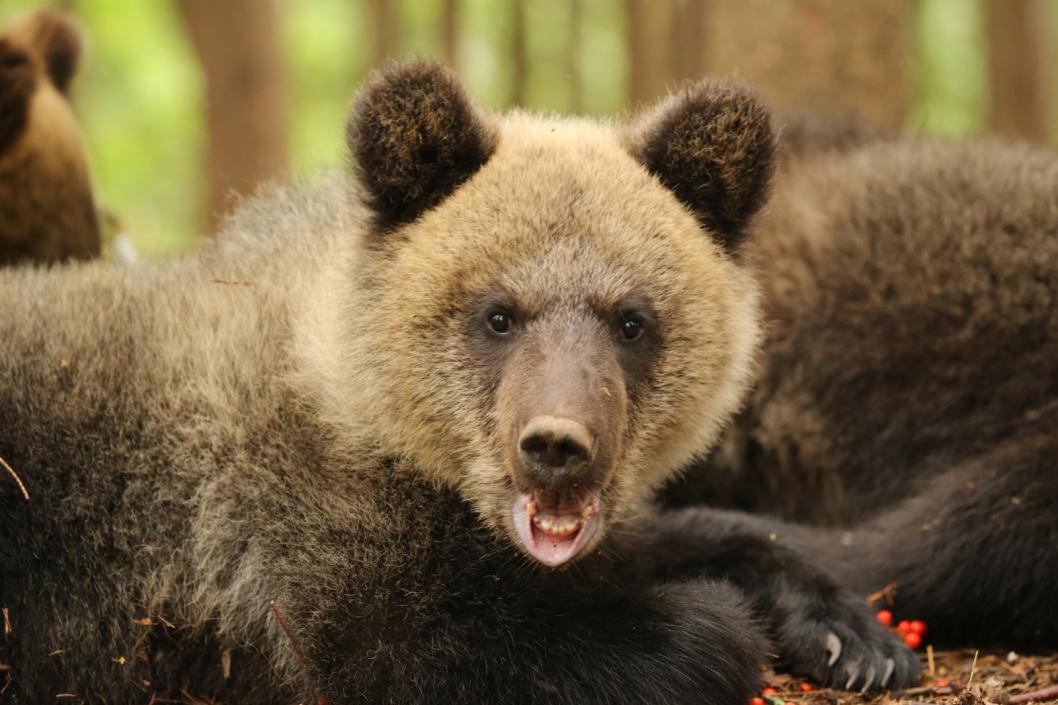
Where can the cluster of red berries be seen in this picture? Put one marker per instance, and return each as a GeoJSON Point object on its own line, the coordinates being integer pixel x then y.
{"type": "Point", "coordinates": [770, 696]}
{"type": "Point", "coordinates": [910, 631]}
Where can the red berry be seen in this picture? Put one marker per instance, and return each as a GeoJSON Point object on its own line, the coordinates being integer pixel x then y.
{"type": "Point", "coordinates": [806, 687]}
{"type": "Point", "coordinates": [768, 691]}
{"type": "Point", "coordinates": [941, 683]}
{"type": "Point", "coordinates": [913, 640]}
{"type": "Point", "coordinates": [903, 627]}
{"type": "Point", "coordinates": [885, 617]}
{"type": "Point", "coordinates": [756, 701]}
{"type": "Point", "coordinates": [917, 626]}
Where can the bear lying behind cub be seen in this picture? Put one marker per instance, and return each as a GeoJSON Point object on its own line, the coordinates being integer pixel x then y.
{"type": "Point", "coordinates": [908, 397]}
{"type": "Point", "coordinates": [424, 410]}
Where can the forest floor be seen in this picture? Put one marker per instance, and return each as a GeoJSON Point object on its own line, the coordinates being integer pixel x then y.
{"type": "Point", "coordinates": [948, 678]}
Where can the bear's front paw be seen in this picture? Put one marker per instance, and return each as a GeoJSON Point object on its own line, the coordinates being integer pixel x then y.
{"type": "Point", "coordinates": [841, 646]}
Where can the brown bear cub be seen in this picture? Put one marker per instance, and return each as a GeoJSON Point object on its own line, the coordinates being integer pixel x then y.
{"type": "Point", "coordinates": [909, 396]}
{"type": "Point", "coordinates": [424, 410]}
{"type": "Point", "coordinates": [47, 210]}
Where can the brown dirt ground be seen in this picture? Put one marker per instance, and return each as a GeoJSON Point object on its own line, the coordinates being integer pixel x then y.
{"type": "Point", "coordinates": [999, 678]}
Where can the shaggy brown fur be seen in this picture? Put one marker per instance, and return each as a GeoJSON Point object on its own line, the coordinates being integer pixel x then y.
{"type": "Point", "coordinates": [716, 159]}
{"type": "Point", "coordinates": [47, 211]}
{"type": "Point", "coordinates": [334, 432]}
{"type": "Point", "coordinates": [410, 160]}
{"type": "Point", "coordinates": [910, 391]}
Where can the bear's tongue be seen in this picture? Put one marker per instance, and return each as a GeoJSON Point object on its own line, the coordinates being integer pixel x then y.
{"type": "Point", "coordinates": [555, 530]}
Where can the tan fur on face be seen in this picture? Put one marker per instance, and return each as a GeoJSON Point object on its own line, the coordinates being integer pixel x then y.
{"type": "Point", "coordinates": [559, 216]}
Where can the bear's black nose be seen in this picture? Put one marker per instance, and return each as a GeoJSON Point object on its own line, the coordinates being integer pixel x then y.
{"type": "Point", "coordinates": [555, 446]}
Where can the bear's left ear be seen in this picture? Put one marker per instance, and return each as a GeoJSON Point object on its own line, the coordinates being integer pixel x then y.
{"type": "Point", "coordinates": [712, 144]}
{"type": "Point", "coordinates": [415, 137]}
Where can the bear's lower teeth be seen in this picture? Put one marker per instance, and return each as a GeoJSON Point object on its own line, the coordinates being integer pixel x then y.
{"type": "Point", "coordinates": [556, 526]}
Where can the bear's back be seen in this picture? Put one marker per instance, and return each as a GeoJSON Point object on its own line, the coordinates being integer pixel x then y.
{"type": "Point", "coordinates": [119, 351]}
{"type": "Point", "coordinates": [910, 291]}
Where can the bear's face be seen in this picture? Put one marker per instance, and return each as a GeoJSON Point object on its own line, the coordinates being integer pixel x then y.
{"type": "Point", "coordinates": [555, 333]}
{"type": "Point", "coordinates": [38, 52]}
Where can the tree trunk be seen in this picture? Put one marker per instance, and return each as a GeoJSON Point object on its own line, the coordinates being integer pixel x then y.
{"type": "Point", "coordinates": [237, 42]}
{"type": "Point", "coordinates": [1016, 67]}
{"type": "Point", "coordinates": [649, 34]}
{"type": "Point", "coordinates": [832, 56]}
{"type": "Point", "coordinates": [450, 33]}
{"type": "Point", "coordinates": [576, 77]}
{"type": "Point", "coordinates": [688, 40]}
{"type": "Point", "coordinates": [519, 53]}
{"type": "Point", "coordinates": [385, 20]}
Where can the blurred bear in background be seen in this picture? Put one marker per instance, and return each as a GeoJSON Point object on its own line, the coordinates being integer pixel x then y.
{"type": "Point", "coordinates": [47, 209]}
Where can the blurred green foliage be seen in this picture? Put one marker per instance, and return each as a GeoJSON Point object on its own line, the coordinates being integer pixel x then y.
{"type": "Point", "coordinates": [950, 70]}
{"type": "Point", "coordinates": [140, 93]}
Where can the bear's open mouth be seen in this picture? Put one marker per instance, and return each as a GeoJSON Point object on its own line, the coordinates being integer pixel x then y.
{"type": "Point", "coordinates": [555, 529]}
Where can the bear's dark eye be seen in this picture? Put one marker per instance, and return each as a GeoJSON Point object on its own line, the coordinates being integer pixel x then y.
{"type": "Point", "coordinates": [13, 59]}
{"type": "Point", "coordinates": [500, 322]}
{"type": "Point", "coordinates": [631, 327]}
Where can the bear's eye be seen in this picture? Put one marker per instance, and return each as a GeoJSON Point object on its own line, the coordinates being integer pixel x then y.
{"type": "Point", "coordinates": [631, 327]}
{"type": "Point", "coordinates": [500, 322]}
{"type": "Point", "coordinates": [13, 59]}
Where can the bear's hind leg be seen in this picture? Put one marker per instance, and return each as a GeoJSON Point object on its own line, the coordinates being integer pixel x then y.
{"type": "Point", "coordinates": [975, 554]}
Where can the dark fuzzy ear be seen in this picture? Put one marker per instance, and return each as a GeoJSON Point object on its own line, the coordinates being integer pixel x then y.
{"type": "Point", "coordinates": [713, 145]}
{"type": "Point", "coordinates": [415, 137]}
{"type": "Point", "coordinates": [60, 45]}
{"type": "Point", "coordinates": [56, 40]}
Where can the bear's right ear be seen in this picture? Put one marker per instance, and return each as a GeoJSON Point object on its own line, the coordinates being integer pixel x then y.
{"type": "Point", "coordinates": [56, 39]}
{"type": "Point", "coordinates": [415, 137]}
{"type": "Point", "coordinates": [712, 144]}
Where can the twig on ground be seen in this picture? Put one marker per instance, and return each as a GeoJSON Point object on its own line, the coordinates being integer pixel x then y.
{"type": "Point", "coordinates": [887, 593]}
{"type": "Point", "coordinates": [320, 700]}
{"type": "Point", "coordinates": [290, 635]}
{"type": "Point", "coordinates": [190, 699]}
{"type": "Point", "coordinates": [14, 475]}
{"type": "Point", "coordinates": [923, 690]}
{"type": "Point", "coordinates": [973, 668]}
{"type": "Point", "coordinates": [1036, 695]}
{"type": "Point", "coordinates": [932, 664]}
